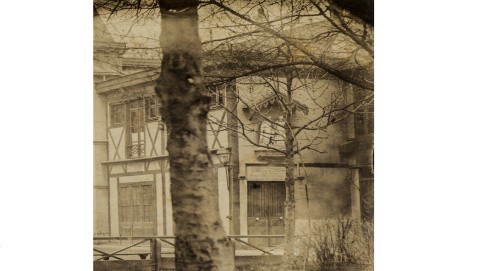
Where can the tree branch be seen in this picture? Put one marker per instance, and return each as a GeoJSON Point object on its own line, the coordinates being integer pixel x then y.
{"type": "Point", "coordinates": [291, 42]}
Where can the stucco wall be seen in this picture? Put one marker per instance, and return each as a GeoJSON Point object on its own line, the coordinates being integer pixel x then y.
{"type": "Point", "coordinates": [101, 212]}
{"type": "Point", "coordinates": [100, 116]}
{"type": "Point", "coordinates": [328, 194]}
{"type": "Point", "coordinates": [327, 141]}
{"type": "Point", "coordinates": [100, 182]}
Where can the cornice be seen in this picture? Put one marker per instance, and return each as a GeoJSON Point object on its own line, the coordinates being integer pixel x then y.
{"type": "Point", "coordinates": [106, 87]}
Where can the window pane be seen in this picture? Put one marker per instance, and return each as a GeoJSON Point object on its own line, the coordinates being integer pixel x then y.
{"type": "Point", "coordinates": [148, 194]}
{"type": "Point", "coordinates": [141, 117]}
{"type": "Point", "coordinates": [138, 112]}
{"type": "Point", "coordinates": [117, 114]}
{"type": "Point", "coordinates": [134, 122]}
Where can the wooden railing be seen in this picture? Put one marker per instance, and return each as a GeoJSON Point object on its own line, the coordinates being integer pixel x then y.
{"type": "Point", "coordinates": [155, 245]}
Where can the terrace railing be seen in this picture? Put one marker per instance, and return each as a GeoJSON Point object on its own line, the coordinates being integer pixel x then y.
{"type": "Point", "coordinates": [156, 244]}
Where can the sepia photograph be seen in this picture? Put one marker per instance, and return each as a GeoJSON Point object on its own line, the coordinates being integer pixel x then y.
{"type": "Point", "coordinates": [241, 135]}
{"type": "Point", "coordinates": [233, 135]}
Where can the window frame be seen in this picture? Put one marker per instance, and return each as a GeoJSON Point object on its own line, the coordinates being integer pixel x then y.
{"type": "Point", "coordinates": [127, 196]}
{"type": "Point", "coordinates": [217, 95]}
{"type": "Point", "coordinates": [114, 113]}
{"type": "Point", "coordinates": [140, 120]}
{"type": "Point", "coordinates": [154, 103]}
{"type": "Point", "coordinates": [363, 116]}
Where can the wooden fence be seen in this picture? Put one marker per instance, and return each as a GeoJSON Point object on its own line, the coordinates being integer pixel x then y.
{"type": "Point", "coordinates": [110, 261]}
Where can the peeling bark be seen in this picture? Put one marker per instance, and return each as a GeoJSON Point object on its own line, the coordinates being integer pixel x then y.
{"type": "Point", "coordinates": [201, 243]}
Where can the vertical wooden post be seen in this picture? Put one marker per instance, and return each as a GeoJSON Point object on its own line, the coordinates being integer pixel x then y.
{"type": "Point", "coordinates": [152, 250]}
{"type": "Point", "coordinates": [234, 249]}
{"type": "Point", "coordinates": [155, 247]}
{"type": "Point", "coordinates": [158, 254]}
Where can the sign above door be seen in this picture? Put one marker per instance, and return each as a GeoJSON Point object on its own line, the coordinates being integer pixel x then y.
{"type": "Point", "coordinates": [265, 173]}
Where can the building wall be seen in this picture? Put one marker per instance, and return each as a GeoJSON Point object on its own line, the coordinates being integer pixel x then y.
{"type": "Point", "coordinates": [101, 211]}
{"type": "Point", "coordinates": [152, 168]}
{"type": "Point", "coordinates": [101, 193]}
{"type": "Point", "coordinates": [224, 199]}
{"type": "Point", "coordinates": [323, 187]}
{"type": "Point", "coordinates": [100, 179]}
{"type": "Point", "coordinates": [323, 194]}
{"type": "Point", "coordinates": [122, 169]}
{"type": "Point", "coordinates": [329, 140]}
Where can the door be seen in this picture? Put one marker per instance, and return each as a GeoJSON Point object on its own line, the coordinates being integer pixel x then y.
{"type": "Point", "coordinates": [266, 212]}
{"type": "Point", "coordinates": [137, 209]}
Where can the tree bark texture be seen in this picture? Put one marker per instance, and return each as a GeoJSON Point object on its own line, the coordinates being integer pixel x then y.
{"type": "Point", "coordinates": [289, 248]}
{"type": "Point", "coordinates": [201, 243]}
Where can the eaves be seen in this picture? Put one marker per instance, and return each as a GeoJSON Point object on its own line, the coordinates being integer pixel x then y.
{"type": "Point", "coordinates": [106, 87]}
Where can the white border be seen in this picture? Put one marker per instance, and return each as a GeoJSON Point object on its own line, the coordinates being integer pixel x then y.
{"type": "Point", "coordinates": [428, 135]}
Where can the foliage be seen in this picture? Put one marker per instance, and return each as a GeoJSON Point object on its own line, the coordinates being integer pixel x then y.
{"type": "Point", "coordinates": [339, 243]}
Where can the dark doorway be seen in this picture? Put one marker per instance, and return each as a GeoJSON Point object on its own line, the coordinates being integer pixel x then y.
{"type": "Point", "coordinates": [266, 212]}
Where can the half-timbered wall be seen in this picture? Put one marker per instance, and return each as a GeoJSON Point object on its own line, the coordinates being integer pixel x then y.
{"type": "Point", "coordinates": [117, 143]}
{"type": "Point", "coordinates": [218, 137]}
{"type": "Point", "coordinates": [137, 159]}
{"type": "Point", "coordinates": [135, 129]}
{"type": "Point", "coordinates": [217, 133]}
{"type": "Point", "coordinates": [139, 184]}
{"type": "Point", "coordinates": [140, 200]}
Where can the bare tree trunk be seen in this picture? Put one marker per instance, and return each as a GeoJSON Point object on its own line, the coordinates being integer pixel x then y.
{"type": "Point", "coordinates": [289, 248]}
{"type": "Point", "coordinates": [201, 243]}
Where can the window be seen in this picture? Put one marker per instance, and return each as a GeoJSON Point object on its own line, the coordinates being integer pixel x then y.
{"type": "Point", "coordinates": [218, 94]}
{"type": "Point", "coordinates": [153, 108]}
{"type": "Point", "coordinates": [133, 115]}
{"type": "Point", "coordinates": [135, 135]}
{"type": "Point", "coordinates": [364, 116]}
{"type": "Point", "coordinates": [117, 114]}
{"type": "Point", "coordinates": [271, 134]}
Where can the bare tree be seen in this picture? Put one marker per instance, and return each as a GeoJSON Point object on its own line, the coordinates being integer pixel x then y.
{"type": "Point", "coordinates": [286, 42]}
{"type": "Point", "coordinates": [356, 34]}
{"type": "Point", "coordinates": [352, 22]}
{"type": "Point", "coordinates": [287, 127]}
{"type": "Point", "coordinates": [185, 103]}
{"type": "Point", "coordinates": [201, 243]}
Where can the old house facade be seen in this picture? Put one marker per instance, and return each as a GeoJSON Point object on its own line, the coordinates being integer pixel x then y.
{"type": "Point", "coordinates": [131, 164]}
